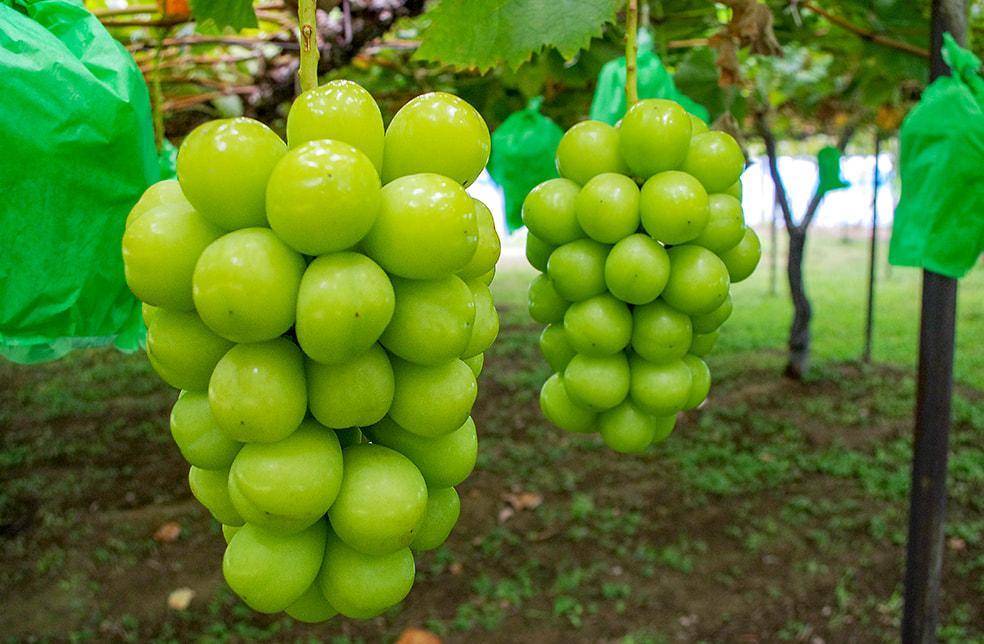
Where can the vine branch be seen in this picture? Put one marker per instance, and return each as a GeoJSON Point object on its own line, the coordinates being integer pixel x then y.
{"type": "Point", "coordinates": [631, 52]}
{"type": "Point", "coordinates": [307, 21]}
{"type": "Point", "coordinates": [865, 34]}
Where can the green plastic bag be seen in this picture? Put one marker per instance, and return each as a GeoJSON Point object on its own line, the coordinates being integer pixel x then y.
{"type": "Point", "coordinates": [523, 151]}
{"type": "Point", "coordinates": [939, 221]}
{"type": "Point", "coordinates": [829, 170]}
{"type": "Point", "coordinates": [78, 150]}
{"type": "Point", "coordinates": [653, 81]}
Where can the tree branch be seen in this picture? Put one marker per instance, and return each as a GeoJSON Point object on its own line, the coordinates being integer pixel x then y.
{"type": "Point", "coordinates": [865, 34]}
{"type": "Point", "coordinates": [769, 139]}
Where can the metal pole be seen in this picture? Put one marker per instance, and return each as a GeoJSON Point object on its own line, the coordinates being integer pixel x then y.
{"type": "Point", "coordinates": [927, 509]}
{"type": "Point", "coordinates": [870, 320]}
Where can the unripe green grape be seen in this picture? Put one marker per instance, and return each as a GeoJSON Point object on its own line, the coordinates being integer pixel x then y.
{"type": "Point", "coordinates": [715, 159]}
{"type": "Point", "coordinates": [660, 333]}
{"type": "Point", "coordinates": [664, 427]}
{"type": "Point", "coordinates": [559, 409]}
{"type": "Point", "coordinates": [475, 363]}
{"type": "Point", "coordinates": [486, 326]}
{"type": "Point", "coordinates": [245, 285]}
{"type": "Point", "coordinates": [537, 252]}
{"type": "Point", "coordinates": [351, 394]}
{"type": "Point", "coordinates": [440, 133]}
{"type": "Point", "coordinates": [703, 343]}
{"type": "Point", "coordinates": [587, 149]}
{"type": "Point", "coordinates": [381, 501]}
{"type": "Point", "coordinates": [725, 224]}
{"type": "Point", "coordinates": [710, 322]}
{"type": "Point", "coordinates": [184, 350]}
{"type": "Point", "coordinates": [548, 212]}
{"type": "Point", "coordinates": [167, 191]}
{"type": "Point", "coordinates": [432, 400]}
{"type": "Point", "coordinates": [577, 269]}
{"type": "Point", "coordinates": [660, 389]}
{"type": "Point", "coordinates": [361, 586]}
{"type": "Point", "coordinates": [607, 207]}
{"type": "Point", "coordinates": [322, 197]}
{"type": "Point", "coordinates": [148, 312]}
{"type": "Point", "coordinates": [636, 269]}
{"type": "Point", "coordinates": [339, 110]}
{"type": "Point", "coordinates": [229, 531]}
{"type": "Point", "coordinates": [701, 384]}
{"type": "Point", "coordinates": [198, 436]}
{"type": "Point", "coordinates": [597, 382]}
{"type": "Point", "coordinates": [734, 190]}
{"type": "Point", "coordinates": [258, 392]}
{"type": "Point", "coordinates": [432, 321]}
{"type": "Point", "coordinates": [598, 326]}
{"type": "Point", "coordinates": [426, 228]}
{"type": "Point", "coordinates": [443, 461]}
{"type": "Point", "coordinates": [486, 278]}
{"type": "Point", "coordinates": [160, 250]}
{"type": "Point", "coordinates": [555, 347]}
{"type": "Point", "coordinates": [697, 125]}
{"type": "Point", "coordinates": [546, 306]}
{"type": "Point", "coordinates": [489, 246]}
{"type": "Point", "coordinates": [674, 207]}
{"type": "Point", "coordinates": [654, 136]}
{"type": "Point", "coordinates": [627, 429]}
{"type": "Point", "coordinates": [698, 281]}
{"type": "Point", "coordinates": [312, 607]}
{"type": "Point", "coordinates": [742, 259]}
{"type": "Point", "coordinates": [443, 510]}
{"type": "Point", "coordinates": [344, 303]}
{"type": "Point", "coordinates": [286, 486]}
{"type": "Point", "coordinates": [223, 167]}
{"type": "Point", "coordinates": [211, 488]}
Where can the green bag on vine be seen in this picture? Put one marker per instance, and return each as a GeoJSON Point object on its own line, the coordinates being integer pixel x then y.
{"type": "Point", "coordinates": [78, 151]}
{"type": "Point", "coordinates": [523, 155]}
{"type": "Point", "coordinates": [939, 220]}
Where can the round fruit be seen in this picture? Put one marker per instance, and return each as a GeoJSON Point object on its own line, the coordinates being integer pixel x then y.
{"type": "Point", "coordinates": [184, 351]}
{"type": "Point", "coordinates": [537, 252]}
{"type": "Point", "coordinates": [607, 207]}
{"type": "Point", "coordinates": [211, 488]}
{"type": "Point", "coordinates": [588, 149]}
{"type": "Point", "coordinates": [148, 312]}
{"type": "Point", "coordinates": [742, 259]}
{"type": "Point", "coordinates": [361, 586]}
{"type": "Point", "coordinates": [636, 269]}
{"type": "Point", "coordinates": [715, 159]}
{"type": "Point", "coordinates": [599, 326]}
{"type": "Point", "coordinates": [229, 531]}
{"type": "Point", "coordinates": [545, 305]}
{"type": "Point", "coordinates": [198, 436]}
{"type": "Point", "coordinates": [443, 461]}
{"type": "Point", "coordinates": [577, 269]}
{"type": "Point", "coordinates": [627, 428]}
{"type": "Point", "coordinates": [710, 322]}
{"type": "Point", "coordinates": [555, 347]}
{"type": "Point", "coordinates": [489, 246]}
{"type": "Point", "coordinates": [674, 207]}
{"type": "Point", "coordinates": [697, 125]}
{"type": "Point", "coordinates": [443, 509]}
{"type": "Point", "coordinates": [356, 393]}
{"type": "Point", "coordinates": [701, 385]}
{"type": "Point", "coordinates": [311, 607]}
{"type": "Point", "coordinates": [660, 389]}
{"type": "Point", "coordinates": [725, 225]}
{"type": "Point", "coordinates": [475, 363]}
{"type": "Point", "coordinates": [703, 343]}
{"type": "Point", "coordinates": [734, 190]}
{"type": "Point", "coordinates": [664, 427]}
{"type": "Point", "coordinates": [597, 382]}
{"type": "Point", "coordinates": [432, 400]}
{"type": "Point", "coordinates": [167, 191]}
{"type": "Point", "coordinates": [660, 333]}
{"type": "Point", "coordinates": [698, 281]}
{"type": "Point", "coordinates": [563, 412]}
{"type": "Point", "coordinates": [486, 326]}
{"type": "Point", "coordinates": [432, 321]}
{"type": "Point", "coordinates": [654, 136]}
{"type": "Point", "coordinates": [548, 212]}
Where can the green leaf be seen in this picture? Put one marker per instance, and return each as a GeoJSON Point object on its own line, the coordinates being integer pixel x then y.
{"type": "Point", "coordinates": [478, 34]}
{"type": "Point", "coordinates": [215, 16]}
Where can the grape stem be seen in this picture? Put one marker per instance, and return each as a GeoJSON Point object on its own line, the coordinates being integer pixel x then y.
{"type": "Point", "coordinates": [631, 49]}
{"type": "Point", "coordinates": [307, 21]}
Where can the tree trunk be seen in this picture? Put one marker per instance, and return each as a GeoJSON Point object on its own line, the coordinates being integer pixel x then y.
{"type": "Point", "coordinates": [799, 334]}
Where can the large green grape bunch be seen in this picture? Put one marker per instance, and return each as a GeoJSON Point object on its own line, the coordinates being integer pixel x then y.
{"type": "Point", "coordinates": [323, 305]}
{"type": "Point", "coordinates": [638, 243]}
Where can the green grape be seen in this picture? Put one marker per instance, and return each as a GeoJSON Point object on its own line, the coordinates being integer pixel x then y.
{"type": "Point", "coordinates": [160, 249]}
{"type": "Point", "coordinates": [475, 363]}
{"type": "Point", "coordinates": [660, 389]}
{"type": "Point", "coordinates": [223, 167]}
{"type": "Point", "coordinates": [245, 285]}
{"type": "Point", "coordinates": [599, 326]}
{"type": "Point", "coordinates": [555, 347]}
{"type": "Point", "coordinates": [703, 343]}
{"type": "Point", "coordinates": [443, 461]}
{"type": "Point", "coordinates": [577, 269]}
{"type": "Point", "coordinates": [433, 320]}
{"type": "Point", "coordinates": [701, 385]}
{"type": "Point", "coordinates": [627, 428]}
{"type": "Point", "coordinates": [184, 351]}
{"type": "Point", "coordinates": [197, 435]}
{"type": "Point", "coordinates": [339, 110]}
{"type": "Point", "coordinates": [548, 212]}
{"type": "Point", "coordinates": [163, 192]}
{"type": "Point", "coordinates": [538, 252]}
{"type": "Point", "coordinates": [725, 224]}
{"type": "Point", "coordinates": [660, 333]}
{"type": "Point", "coordinates": [654, 136]}
{"type": "Point", "coordinates": [486, 278]}
{"type": "Point", "coordinates": [710, 322]}
{"type": "Point", "coordinates": [664, 427]}
{"type": "Point", "coordinates": [323, 197]}
{"type": "Point", "coordinates": [443, 510]}
{"type": "Point", "coordinates": [697, 125]}
{"type": "Point", "coordinates": [636, 269]}
{"type": "Point", "coordinates": [349, 436]}
{"type": "Point", "coordinates": [698, 281]}
{"type": "Point", "coordinates": [486, 326]}
{"type": "Point", "coordinates": [432, 400]}
{"type": "Point", "coordinates": [344, 303]}
{"type": "Point", "coordinates": [715, 159]}
{"type": "Point", "coordinates": [440, 133]}
{"type": "Point", "coordinates": [674, 207]}
{"type": "Point", "coordinates": [312, 607]}
{"type": "Point", "coordinates": [426, 228]}
{"type": "Point", "coordinates": [271, 571]}
{"type": "Point", "coordinates": [588, 149]}
{"type": "Point", "coordinates": [489, 246]}
{"type": "Point", "coordinates": [361, 586]}
{"type": "Point", "coordinates": [607, 207]}
{"type": "Point", "coordinates": [742, 259]}
{"type": "Point", "coordinates": [211, 488]}
{"type": "Point", "coordinates": [382, 500]}
{"type": "Point", "coordinates": [351, 394]}
{"type": "Point", "coordinates": [229, 531]}
{"type": "Point", "coordinates": [734, 190]}
{"type": "Point", "coordinates": [258, 392]}
{"type": "Point", "coordinates": [597, 382]}
{"type": "Point", "coordinates": [559, 409]}
{"type": "Point", "coordinates": [148, 312]}
{"type": "Point", "coordinates": [545, 305]}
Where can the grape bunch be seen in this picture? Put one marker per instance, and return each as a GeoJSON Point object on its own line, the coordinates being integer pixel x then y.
{"type": "Point", "coordinates": [323, 306]}
{"type": "Point", "coordinates": [637, 243]}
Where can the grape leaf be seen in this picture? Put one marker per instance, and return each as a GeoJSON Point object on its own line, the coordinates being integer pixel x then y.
{"type": "Point", "coordinates": [478, 34]}
{"type": "Point", "coordinates": [214, 16]}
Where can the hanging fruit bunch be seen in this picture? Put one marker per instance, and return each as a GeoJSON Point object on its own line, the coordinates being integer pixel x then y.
{"type": "Point", "coordinates": [324, 307]}
{"type": "Point", "coordinates": [638, 242]}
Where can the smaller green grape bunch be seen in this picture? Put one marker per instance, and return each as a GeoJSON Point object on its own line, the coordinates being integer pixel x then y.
{"type": "Point", "coordinates": [323, 306]}
{"type": "Point", "coordinates": [638, 243]}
